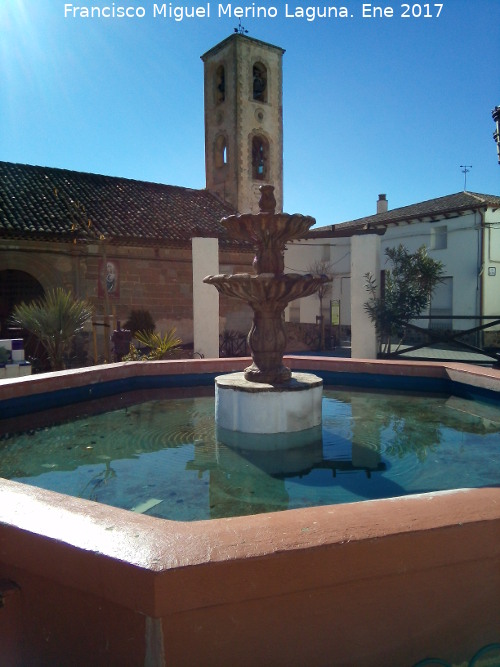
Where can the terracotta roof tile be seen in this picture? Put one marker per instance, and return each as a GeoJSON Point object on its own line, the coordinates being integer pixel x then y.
{"type": "Point", "coordinates": [45, 203]}
{"type": "Point", "coordinates": [426, 210]}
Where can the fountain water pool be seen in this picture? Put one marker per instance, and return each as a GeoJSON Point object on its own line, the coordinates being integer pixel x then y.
{"type": "Point", "coordinates": [294, 587]}
{"type": "Point", "coordinates": [160, 454]}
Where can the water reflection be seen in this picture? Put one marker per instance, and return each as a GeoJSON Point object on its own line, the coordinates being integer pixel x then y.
{"type": "Point", "coordinates": [165, 456]}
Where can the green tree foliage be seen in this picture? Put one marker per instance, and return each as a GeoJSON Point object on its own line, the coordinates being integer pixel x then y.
{"type": "Point", "coordinates": [409, 285]}
{"type": "Point", "coordinates": [55, 319]}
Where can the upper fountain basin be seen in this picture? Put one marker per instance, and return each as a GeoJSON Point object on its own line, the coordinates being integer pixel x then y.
{"type": "Point", "coordinates": [264, 227]}
{"type": "Point", "coordinates": [267, 287]}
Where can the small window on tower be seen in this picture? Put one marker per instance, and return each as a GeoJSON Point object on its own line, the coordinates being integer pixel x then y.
{"type": "Point", "coordinates": [259, 82]}
{"type": "Point", "coordinates": [260, 158]}
{"type": "Point", "coordinates": [220, 85]}
{"type": "Point", "coordinates": [220, 151]}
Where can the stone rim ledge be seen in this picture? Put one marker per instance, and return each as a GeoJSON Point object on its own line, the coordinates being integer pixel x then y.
{"type": "Point", "coordinates": [236, 382]}
{"type": "Point", "coordinates": [103, 545]}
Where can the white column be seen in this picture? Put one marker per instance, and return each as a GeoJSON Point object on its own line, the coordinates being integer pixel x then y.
{"type": "Point", "coordinates": [365, 258]}
{"type": "Point", "coordinates": [205, 297]}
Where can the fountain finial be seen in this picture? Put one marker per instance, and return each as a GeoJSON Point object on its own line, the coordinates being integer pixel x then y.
{"type": "Point", "coordinates": [267, 202]}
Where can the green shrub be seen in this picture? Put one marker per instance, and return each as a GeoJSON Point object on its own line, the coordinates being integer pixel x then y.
{"type": "Point", "coordinates": [157, 346]}
{"type": "Point", "coordinates": [139, 320]}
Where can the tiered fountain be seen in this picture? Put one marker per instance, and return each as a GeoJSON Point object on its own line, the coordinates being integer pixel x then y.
{"type": "Point", "coordinates": [267, 398]}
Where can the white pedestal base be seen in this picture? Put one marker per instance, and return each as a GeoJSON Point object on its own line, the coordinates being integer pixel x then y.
{"type": "Point", "coordinates": [250, 407]}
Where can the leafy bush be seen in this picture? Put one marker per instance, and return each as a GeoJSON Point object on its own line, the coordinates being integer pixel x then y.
{"type": "Point", "coordinates": [139, 320]}
{"type": "Point", "coordinates": [409, 285]}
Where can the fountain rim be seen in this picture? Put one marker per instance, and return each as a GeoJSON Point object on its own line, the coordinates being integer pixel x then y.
{"type": "Point", "coordinates": [149, 550]}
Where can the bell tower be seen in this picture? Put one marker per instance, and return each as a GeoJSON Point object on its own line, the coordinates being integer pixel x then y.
{"type": "Point", "coordinates": [243, 121]}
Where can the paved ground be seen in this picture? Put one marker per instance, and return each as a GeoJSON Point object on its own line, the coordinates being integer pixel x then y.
{"type": "Point", "coordinates": [443, 354]}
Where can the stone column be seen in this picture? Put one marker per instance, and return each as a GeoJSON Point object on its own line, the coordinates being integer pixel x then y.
{"type": "Point", "coordinates": [205, 298]}
{"type": "Point", "coordinates": [365, 258]}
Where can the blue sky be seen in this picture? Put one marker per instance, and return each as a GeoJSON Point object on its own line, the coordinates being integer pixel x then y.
{"type": "Point", "coordinates": [371, 105]}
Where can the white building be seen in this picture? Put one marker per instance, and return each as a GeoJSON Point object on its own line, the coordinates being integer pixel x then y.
{"type": "Point", "coordinates": [460, 230]}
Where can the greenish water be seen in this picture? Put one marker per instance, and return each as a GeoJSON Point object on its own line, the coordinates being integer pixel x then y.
{"type": "Point", "coordinates": [159, 454]}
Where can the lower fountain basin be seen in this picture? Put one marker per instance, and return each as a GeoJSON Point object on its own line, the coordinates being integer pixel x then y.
{"type": "Point", "coordinates": [298, 587]}
{"type": "Point", "coordinates": [250, 407]}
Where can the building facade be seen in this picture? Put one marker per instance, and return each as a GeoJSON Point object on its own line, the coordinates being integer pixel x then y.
{"type": "Point", "coordinates": [460, 230]}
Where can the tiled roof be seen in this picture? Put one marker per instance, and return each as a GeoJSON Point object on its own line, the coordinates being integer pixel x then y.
{"type": "Point", "coordinates": [50, 204]}
{"type": "Point", "coordinates": [439, 208]}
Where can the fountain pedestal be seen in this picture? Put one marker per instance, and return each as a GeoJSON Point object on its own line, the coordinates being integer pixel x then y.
{"type": "Point", "coordinates": [268, 398]}
{"type": "Point", "coordinates": [251, 407]}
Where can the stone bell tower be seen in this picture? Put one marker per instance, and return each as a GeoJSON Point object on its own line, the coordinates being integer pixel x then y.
{"type": "Point", "coordinates": [243, 121]}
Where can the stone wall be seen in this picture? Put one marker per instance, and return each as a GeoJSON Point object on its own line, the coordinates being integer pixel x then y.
{"type": "Point", "coordinates": [159, 280]}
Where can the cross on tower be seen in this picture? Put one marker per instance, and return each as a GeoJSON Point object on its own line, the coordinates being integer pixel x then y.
{"type": "Point", "coordinates": [240, 29]}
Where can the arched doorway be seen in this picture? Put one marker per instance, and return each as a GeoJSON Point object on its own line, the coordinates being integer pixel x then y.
{"type": "Point", "coordinates": [15, 287]}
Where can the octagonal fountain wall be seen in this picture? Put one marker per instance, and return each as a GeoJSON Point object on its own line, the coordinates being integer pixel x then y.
{"type": "Point", "coordinates": [386, 582]}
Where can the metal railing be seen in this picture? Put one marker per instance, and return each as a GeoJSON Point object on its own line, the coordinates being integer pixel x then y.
{"type": "Point", "coordinates": [449, 339]}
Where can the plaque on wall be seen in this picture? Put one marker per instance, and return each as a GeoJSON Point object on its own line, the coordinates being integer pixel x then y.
{"type": "Point", "coordinates": [109, 278]}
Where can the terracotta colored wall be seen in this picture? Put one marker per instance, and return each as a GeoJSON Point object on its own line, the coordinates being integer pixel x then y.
{"type": "Point", "coordinates": [369, 584]}
{"type": "Point", "coordinates": [386, 582]}
{"type": "Point", "coordinates": [47, 624]}
{"type": "Point", "coordinates": [419, 605]}
{"type": "Point", "coordinates": [156, 279]}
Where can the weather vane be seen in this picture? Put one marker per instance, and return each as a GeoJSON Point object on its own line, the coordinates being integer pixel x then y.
{"type": "Point", "coordinates": [465, 170]}
{"type": "Point", "coordinates": [240, 29]}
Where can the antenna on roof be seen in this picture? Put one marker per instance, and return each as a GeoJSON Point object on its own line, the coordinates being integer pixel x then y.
{"type": "Point", "coordinates": [240, 29]}
{"type": "Point", "coordinates": [465, 170]}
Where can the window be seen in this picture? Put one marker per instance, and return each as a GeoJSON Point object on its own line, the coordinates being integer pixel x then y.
{"type": "Point", "coordinates": [260, 158]}
{"type": "Point", "coordinates": [439, 238]}
{"type": "Point", "coordinates": [220, 84]}
{"type": "Point", "coordinates": [220, 151]}
{"type": "Point", "coordinates": [259, 82]}
{"type": "Point", "coordinates": [441, 305]}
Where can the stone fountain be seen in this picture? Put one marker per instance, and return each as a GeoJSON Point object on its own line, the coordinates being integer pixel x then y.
{"type": "Point", "coordinates": [267, 398]}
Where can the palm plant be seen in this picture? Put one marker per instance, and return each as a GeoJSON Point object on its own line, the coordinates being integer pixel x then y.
{"type": "Point", "coordinates": [55, 319]}
{"type": "Point", "coordinates": [160, 347]}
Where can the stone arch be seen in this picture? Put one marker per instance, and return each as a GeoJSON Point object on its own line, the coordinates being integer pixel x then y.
{"type": "Point", "coordinates": [41, 267]}
{"type": "Point", "coordinates": [260, 157]}
{"type": "Point", "coordinates": [16, 286]}
{"type": "Point", "coordinates": [220, 151]}
{"type": "Point", "coordinates": [220, 84]}
{"type": "Point", "coordinates": [259, 82]}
